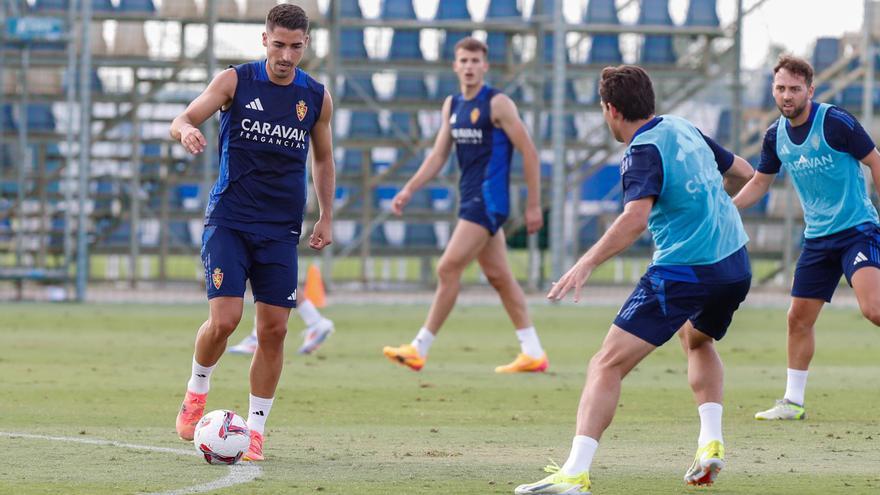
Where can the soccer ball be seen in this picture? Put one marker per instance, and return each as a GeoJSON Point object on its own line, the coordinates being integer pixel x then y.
{"type": "Point", "coordinates": [222, 437]}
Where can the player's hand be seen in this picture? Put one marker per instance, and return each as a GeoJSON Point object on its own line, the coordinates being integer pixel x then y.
{"type": "Point", "coordinates": [322, 234]}
{"type": "Point", "coordinates": [575, 278]}
{"type": "Point", "coordinates": [534, 219]}
{"type": "Point", "coordinates": [400, 200]}
{"type": "Point", "coordinates": [192, 139]}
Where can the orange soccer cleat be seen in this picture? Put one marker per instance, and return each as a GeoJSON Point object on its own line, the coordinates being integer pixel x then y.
{"type": "Point", "coordinates": [191, 411]}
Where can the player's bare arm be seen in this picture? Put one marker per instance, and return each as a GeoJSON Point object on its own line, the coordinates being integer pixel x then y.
{"type": "Point", "coordinates": [506, 116]}
{"type": "Point", "coordinates": [754, 190]}
{"type": "Point", "coordinates": [872, 161]}
{"type": "Point", "coordinates": [324, 175]}
{"type": "Point", "coordinates": [625, 230]}
{"type": "Point", "coordinates": [217, 95]}
{"type": "Point", "coordinates": [738, 175]}
{"type": "Point", "coordinates": [432, 164]}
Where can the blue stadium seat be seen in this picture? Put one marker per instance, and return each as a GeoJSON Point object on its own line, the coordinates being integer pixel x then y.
{"type": "Point", "coordinates": [724, 133]}
{"type": "Point", "coordinates": [410, 87]}
{"type": "Point", "coordinates": [41, 5]}
{"type": "Point", "coordinates": [405, 45]}
{"type": "Point", "coordinates": [826, 52]}
{"type": "Point", "coordinates": [187, 196]}
{"type": "Point", "coordinates": [603, 185]}
{"type": "Point", "coordinates": [355, 85]}
{"type": "Point", "coordinates": [411, 162]}
{"type": "Point", "coordinates": [499, 45]}
{"type": "Point", "coordinates": [420, 235]}
{"type": "Point", "coordinates": [352, 44]}
{"type": "Point", "coordinates": [447, 50]}
{"type": "Point", "coordinates": [40, 117]}
{"type": "Point", "coordinates": [570, 94]}
{"type": "Point", "coordinates": [654, 12]}
{"type": "Point", "coordinates": [702, 13]}
{"type": "Point", "coordinates": [8, 119]}
{"type": "Point", "coordinates": [136, 6]}
{"type": "Point", "coordinates": [178, 233]}
{"type": "Point", "coordinates": [605, 49]}
{"type": "Point", "coordinates": [601, 12]}
{"type": "Point", "coordinates": [353, 160]}
{"type": "Point", "coordinates": [570, 132]}
{"type": "Point", "coordinates": [441, 198]}
{"type": "Point", "coordinates": [502, 9]}
{"type": "Point", "coordinates": [548, 50]}
{"type": "Point", "coordinates": [102, 6]}
{"type": "Point", "coordinates": [398, 9]}
{"type": "Point", "coordinates": [95, 81]}
{"type": "Point", "coordinates": [447, 85]}
{"type": "Point", "coordinates": [350, 9]}
{"type": "Point", "coordinates": [404, 123]}
{"type": "Point", "coordinates": [657, 49]}
{"type": "Point", "coordinates": [590, 231]}
{"type": "Point", "coordinates": [364, 124]}
{"type": "Point", "coordinates": [452, 10]}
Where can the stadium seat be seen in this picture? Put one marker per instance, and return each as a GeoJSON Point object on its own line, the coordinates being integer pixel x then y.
{"type": "Point", "coordinates": [724, 133]}
{"type": "Point", "coordinates": [499, 47]}
{"type": "Point", "coordinates": [500, 9]}
{"type": "Point", "coordinates": [350, 9]}
{"type": "Point", "coordinates": [702, 13]}
{"type": "Point", "coordinates": [257, 9]}
{"type": "Point", "coordinates": [102, 6]}
{"type": "Point", "coordinates": [420, 235]}
{"type": "Point", "coordinates": [548, 50]}
{"type": "Point", "coordinates": [446, 85]}
{"type": "Point", "coordinates": [398, 9]}
{"type": "Point", "coordinates": [405, 45]}
{"type": "Point", "coordinates": [601, 12]}
{"type": "Point", "coordinates": [404, 123]}
{"type": "Point", "coordinates": [140, 6]}
{"type": "Point", "coordinates": [364, 124]}
{"type": "Point", "coordinates": [447, 49]}
{"type": "Point", "coordinates": [227, 9]}
{"type": "Point", "coordinates": [410, 87]}
{"type": "Point", "coordinates": [356, 85]}
{"type": "Point", "coordinates": [655, 12]}
{"type": "Point", "coordinates": [570, 94]}
{"type": "Point", "coordinates": [179, 9]}
{"type": "Point", "coordinates": [570, 133]}
{"type": "Point", "coordinates": [826, 52]}
{"type": "Point", "coordinates": [452, 10]}
{"type": "Point", "coordinates": [10, 82]}
{"type": "Point", "coordinates": [657, 49]}
{"type": "Point", "coordinates": [352, 44]}
{"type": "Point", "coordinates": [605, 49]}
{"type": "Point", "coordinates": [47, 5]}
{"type": "Point", "coordinates": [130, 39]}
{"type": "Point", "coordinates": [411, 162]}
{"type": "Point", "coordinates": [45, 80]}
{"type": "Point", "coordinates": [40, 117]}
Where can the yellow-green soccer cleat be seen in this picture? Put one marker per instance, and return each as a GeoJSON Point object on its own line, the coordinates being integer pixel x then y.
{"type": "Point", "coordinates": [784, 409]}
{"type": "Point", "coordinates": [557, 484]}
{"type": "Point", "coordinates": [707, 464]}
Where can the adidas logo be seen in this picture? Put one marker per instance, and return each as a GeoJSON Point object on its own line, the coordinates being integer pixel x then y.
{"type": "Point", "coordinates": [785, 149]}
{"type": "Point", "coordinates": [255, 105]}
{"type": "Point", "coordinates": [292, 296]}
{"type": "Point", "coordinates": [201, 376]}
{"type": "Point", "coordinates": [258, 413]}
{"type": "Point", "coordinates": [860, 258]}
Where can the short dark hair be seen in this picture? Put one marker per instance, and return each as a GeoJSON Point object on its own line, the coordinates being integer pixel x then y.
{"type": "Point", "coordinates": [471, 44]}
{"type": "Point", "coordinates": [629, 89]}
{"type": "Point", "coordinates": [795, 65]}
{"type": "Point", "coordinates": [288, 16]}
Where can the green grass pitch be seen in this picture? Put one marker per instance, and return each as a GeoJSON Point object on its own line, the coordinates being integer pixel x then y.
{"type": "Point", "coordinates": [347, 421]}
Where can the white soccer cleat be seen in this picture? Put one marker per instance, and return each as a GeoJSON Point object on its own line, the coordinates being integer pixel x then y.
{"type": "Point", "coordinates": [315, 335]}
{"type": "Point", "coordinates": [783, 410]}
{"type": "Point", "coordinates": [248, 345]}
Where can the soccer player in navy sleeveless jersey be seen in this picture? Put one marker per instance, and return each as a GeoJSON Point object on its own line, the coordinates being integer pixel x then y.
{"type": "Point", "coordinates": [676, 183]}
{"type": "Point", "coordinates": [485, 127]}
{"type": "Point", "coordinates": [271, 112]}
{"type": "Point", "coordinates": [821, 146]}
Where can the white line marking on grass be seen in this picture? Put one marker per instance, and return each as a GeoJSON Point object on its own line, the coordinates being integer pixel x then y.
{"type": "Point", "coordinates": [238, 474]}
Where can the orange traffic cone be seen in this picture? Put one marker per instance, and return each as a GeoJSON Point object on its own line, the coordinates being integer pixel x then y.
{"type": "Point", "coordinates": [314, 289]}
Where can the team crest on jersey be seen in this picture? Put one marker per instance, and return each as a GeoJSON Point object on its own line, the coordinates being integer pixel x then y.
{"type": "Point", "coordinates": [475, 115]}
{"type": "Point", "coordinates": [217, 278]}
{"type": "Point", "coordinates": [301, 110]}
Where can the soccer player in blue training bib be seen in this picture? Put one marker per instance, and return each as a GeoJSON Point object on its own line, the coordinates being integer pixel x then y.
{"type": "Point", "coordinates": [485, 127]}
{"type": "Point", "coordinates": [270, 112]}
{"type": "Point", "coordinates": [676, 183]}
{"type": "Point", "coordinates": [821, 146]}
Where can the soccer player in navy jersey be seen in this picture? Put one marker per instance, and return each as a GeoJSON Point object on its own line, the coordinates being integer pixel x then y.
{"type": "Point", "coordinates": [270, 113]}
{"type": "Point", "coordinates": [676, 183]}
{"type": "Point", "coordinates": [485, 126]}
{"type": "Point", "coordinates": [821, 146]}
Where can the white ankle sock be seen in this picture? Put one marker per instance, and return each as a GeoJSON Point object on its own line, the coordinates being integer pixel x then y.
{"type": "Point", "coordinates": [529, 343]}
{"type": "Point", "coordinates": [796, 386]}
{"type": "Point", "coordinates": [308, 312]}
{"type": "Point", "coordinates": [583, 448]}
{"type": "Point", "coordinates": [200, 379]}
{"type": "Point", "coordinates": [710, 423]}
{"type": "Point", "coordinates": [258, 412]}
{"type": "Point", "coordinates": [423, 341]}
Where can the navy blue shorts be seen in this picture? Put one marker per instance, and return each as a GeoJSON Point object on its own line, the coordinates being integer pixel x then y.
{"type": "Point", "coordinates": [231, 257]}
{"type": "Point", "coordinates": [658, 308]}
{"type": "Point", "coordinates": [824, 259]}
{"type": "Point", "coordinates": [476, 211]}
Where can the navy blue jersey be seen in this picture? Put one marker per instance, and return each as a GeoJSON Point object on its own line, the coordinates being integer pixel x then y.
{"type": "Point", "coordinates": [842, 132]}
{"type": "Point", "coordinates": [264, 141]}
{"type": "Point", "coordinates": [484, 153]}
{"type": "Point", "coordinates": [642, 170]}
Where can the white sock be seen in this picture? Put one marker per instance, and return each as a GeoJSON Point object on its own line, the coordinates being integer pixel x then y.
{"type": "Point", "coordinates": [710, 423]}
{"type": "Point", "coordinates": [796, 386]}
{"type": "Point", "coordinates": [529, 343]}
{"type": "Point", "coordinates": [423, 341]}
{"type": "Point", "coordinates": [583, 448]}
{"type": "Point", "coordinates": [258, 411]}
{"type": "Point", "coordinates": [200, 379]}
{"type": "Point", "coordinates": [308, 312]}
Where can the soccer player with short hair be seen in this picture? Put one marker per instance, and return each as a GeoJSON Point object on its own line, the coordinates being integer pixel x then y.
{"type": "Point", "coordinates": [485, 126]}
{"type": "Point", "coordinates": [270, 113]}
{"type": "Point", "coordinates": [821, 146]}
{"type": "Point", "coordinates": [676, 183]}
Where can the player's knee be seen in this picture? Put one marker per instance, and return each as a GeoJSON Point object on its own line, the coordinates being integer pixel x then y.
{"type": "Point", "coordinates": [496, 279]}
{"type": "Point", "coordinates": [272, 333]}
{"type": "Point", "coordinates": [448, 272]}
{"type": "Point", "coordinates": [602, 362]}
{"type": "Point", "coordinates": [223, 327]}
{"type": "Point", "coordinates": [798, 323]}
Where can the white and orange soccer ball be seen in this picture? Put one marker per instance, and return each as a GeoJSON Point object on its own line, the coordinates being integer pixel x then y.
{"type": "Point", "coordinates": [222, 437]}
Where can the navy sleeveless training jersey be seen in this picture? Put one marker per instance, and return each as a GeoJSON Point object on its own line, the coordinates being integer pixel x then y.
{"type": "Point", "coordinates": [264, 141]}
{"type": "Point", "coordinates": [484, 153]}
